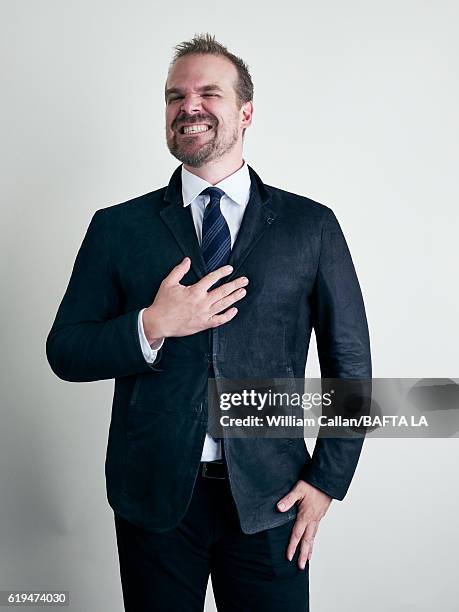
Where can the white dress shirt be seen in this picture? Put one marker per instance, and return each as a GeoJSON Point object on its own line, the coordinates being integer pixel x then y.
{"type": "Point", "coordinates": [233, 204]}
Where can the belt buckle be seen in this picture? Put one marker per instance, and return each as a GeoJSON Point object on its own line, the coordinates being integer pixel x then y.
{"type": "Point", "coordinates": [206, 469]}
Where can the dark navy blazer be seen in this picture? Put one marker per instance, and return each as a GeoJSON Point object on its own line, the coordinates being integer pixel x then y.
{"type": "Point", "coordinates": [301, 278]}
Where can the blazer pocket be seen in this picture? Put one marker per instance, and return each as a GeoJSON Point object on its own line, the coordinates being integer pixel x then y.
{"type": "Point", "coordinates": [135, 391]}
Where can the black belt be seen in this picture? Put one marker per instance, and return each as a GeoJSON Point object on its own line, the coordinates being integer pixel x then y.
{"type": "Point", "coordinates": [213, 469]}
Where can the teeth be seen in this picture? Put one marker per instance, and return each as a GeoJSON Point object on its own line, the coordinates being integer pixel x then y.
{"type": "Point", "coordinates": [192, 129]}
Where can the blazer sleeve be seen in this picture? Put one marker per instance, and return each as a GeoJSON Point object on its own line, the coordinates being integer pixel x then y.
{"type": "Point", "coordinates": [343, 346]}
{"type": "Point", "coordinates": [91, 337]}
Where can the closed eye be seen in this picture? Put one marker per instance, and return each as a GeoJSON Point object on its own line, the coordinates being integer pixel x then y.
{"type": "Point", "coordinates": [205, 95]}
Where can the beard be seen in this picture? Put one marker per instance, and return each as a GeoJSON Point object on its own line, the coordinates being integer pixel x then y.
{"type": "Point", "coordinates": [195, 156]}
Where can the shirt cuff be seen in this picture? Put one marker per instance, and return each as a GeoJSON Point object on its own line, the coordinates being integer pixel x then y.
{"type": "Point", "coordinates": [149, 351]}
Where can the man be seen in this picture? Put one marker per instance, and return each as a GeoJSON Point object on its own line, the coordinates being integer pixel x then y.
{"type": "Point", "coordinates": [216, 275]}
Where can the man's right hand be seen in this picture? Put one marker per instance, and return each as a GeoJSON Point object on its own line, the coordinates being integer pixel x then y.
{"type": "Point", "coordinates": [178, 310]}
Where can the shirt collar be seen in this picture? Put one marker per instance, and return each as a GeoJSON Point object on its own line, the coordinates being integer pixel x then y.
{"type": "Point", "coordinates": [236, 186]}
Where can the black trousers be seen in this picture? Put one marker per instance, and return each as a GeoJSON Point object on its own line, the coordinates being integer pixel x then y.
{"type": "Point", "coordinates": [169, 571]}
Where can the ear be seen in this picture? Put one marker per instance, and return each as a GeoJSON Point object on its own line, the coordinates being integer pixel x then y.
{"type": "Point", "coordinates": [247, 114]}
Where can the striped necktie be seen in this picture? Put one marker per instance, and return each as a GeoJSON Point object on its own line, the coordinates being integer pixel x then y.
{"type": "Point", "coordinates": [216, 238]}
{"type": "Point", "coordinates": [216, 241]}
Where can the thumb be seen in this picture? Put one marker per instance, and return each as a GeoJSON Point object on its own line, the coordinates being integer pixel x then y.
{"type": "Point", "coordinates": [289, 500]}
{"type": "Point", "coordinates": [177, 273]}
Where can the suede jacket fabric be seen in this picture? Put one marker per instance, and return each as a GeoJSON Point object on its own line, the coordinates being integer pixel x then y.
{"type": "Point", "coordinates": [301, 277]}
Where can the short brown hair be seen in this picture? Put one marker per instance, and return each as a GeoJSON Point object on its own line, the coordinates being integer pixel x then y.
{"type": "Point", "coordinates": [206, 43]}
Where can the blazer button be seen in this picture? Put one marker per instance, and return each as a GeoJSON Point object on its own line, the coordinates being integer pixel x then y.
{"type": "Point", "coordinates": [269, 220]}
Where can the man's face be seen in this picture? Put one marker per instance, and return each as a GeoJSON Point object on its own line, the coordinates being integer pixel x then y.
{"type": "Point", "coordinates": [203, 118]}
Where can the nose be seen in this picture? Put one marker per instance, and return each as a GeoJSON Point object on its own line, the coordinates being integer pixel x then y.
{"type": "Point", "coordinates": [191, 103]}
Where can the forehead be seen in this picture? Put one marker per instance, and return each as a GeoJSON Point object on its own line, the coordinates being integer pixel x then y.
{"type": "Point", "coordinates": [197, 70]}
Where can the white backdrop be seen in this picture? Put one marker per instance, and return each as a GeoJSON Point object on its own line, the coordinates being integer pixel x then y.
{"type": "Point", "coordinates": [356, 107]}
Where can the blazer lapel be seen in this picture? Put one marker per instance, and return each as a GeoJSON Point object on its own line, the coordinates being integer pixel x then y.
{"type": "Point", "coordinates": [179, 220]}
{"type": "Point", "coordinates": [258, 217]}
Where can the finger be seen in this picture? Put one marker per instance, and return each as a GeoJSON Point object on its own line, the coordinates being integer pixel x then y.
{"type": "Point", "coordinates": [311, 529]}
{"type": "Point", "coordinates": [222, 291]}
{"type": "Point", "coordinates": [307, 542]}
{"type": "Point", "coordinates": [296, 535]}
{"type": "Point", "coordinates": [210, 279]}
{"type": "Point", "coordinates": [177, 273]}
{"type": "Point", "coordinates": [310, 550]}
{"type": "Point", "coordinates": [217, 320]}
{"type": "Point", "coordinates": [225, 302]}
{"type": "Point", "coordinates": [305, 550]}
{"type": "Point", "coordinates": [288, 500]}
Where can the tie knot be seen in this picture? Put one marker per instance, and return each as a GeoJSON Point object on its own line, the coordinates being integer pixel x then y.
{"type": "Point", "coordinates": [214, 192]}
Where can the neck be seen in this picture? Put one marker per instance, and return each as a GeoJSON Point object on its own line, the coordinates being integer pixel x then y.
{"type": "Point", "coordinates": [216, 171]}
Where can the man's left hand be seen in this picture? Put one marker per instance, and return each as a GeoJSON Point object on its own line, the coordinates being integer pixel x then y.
{"type": "Point", "coordinates": [312, 506]}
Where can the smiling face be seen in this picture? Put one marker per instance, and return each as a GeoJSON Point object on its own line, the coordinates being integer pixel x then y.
{"type": "Point", "coordinates": [204, 119]}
